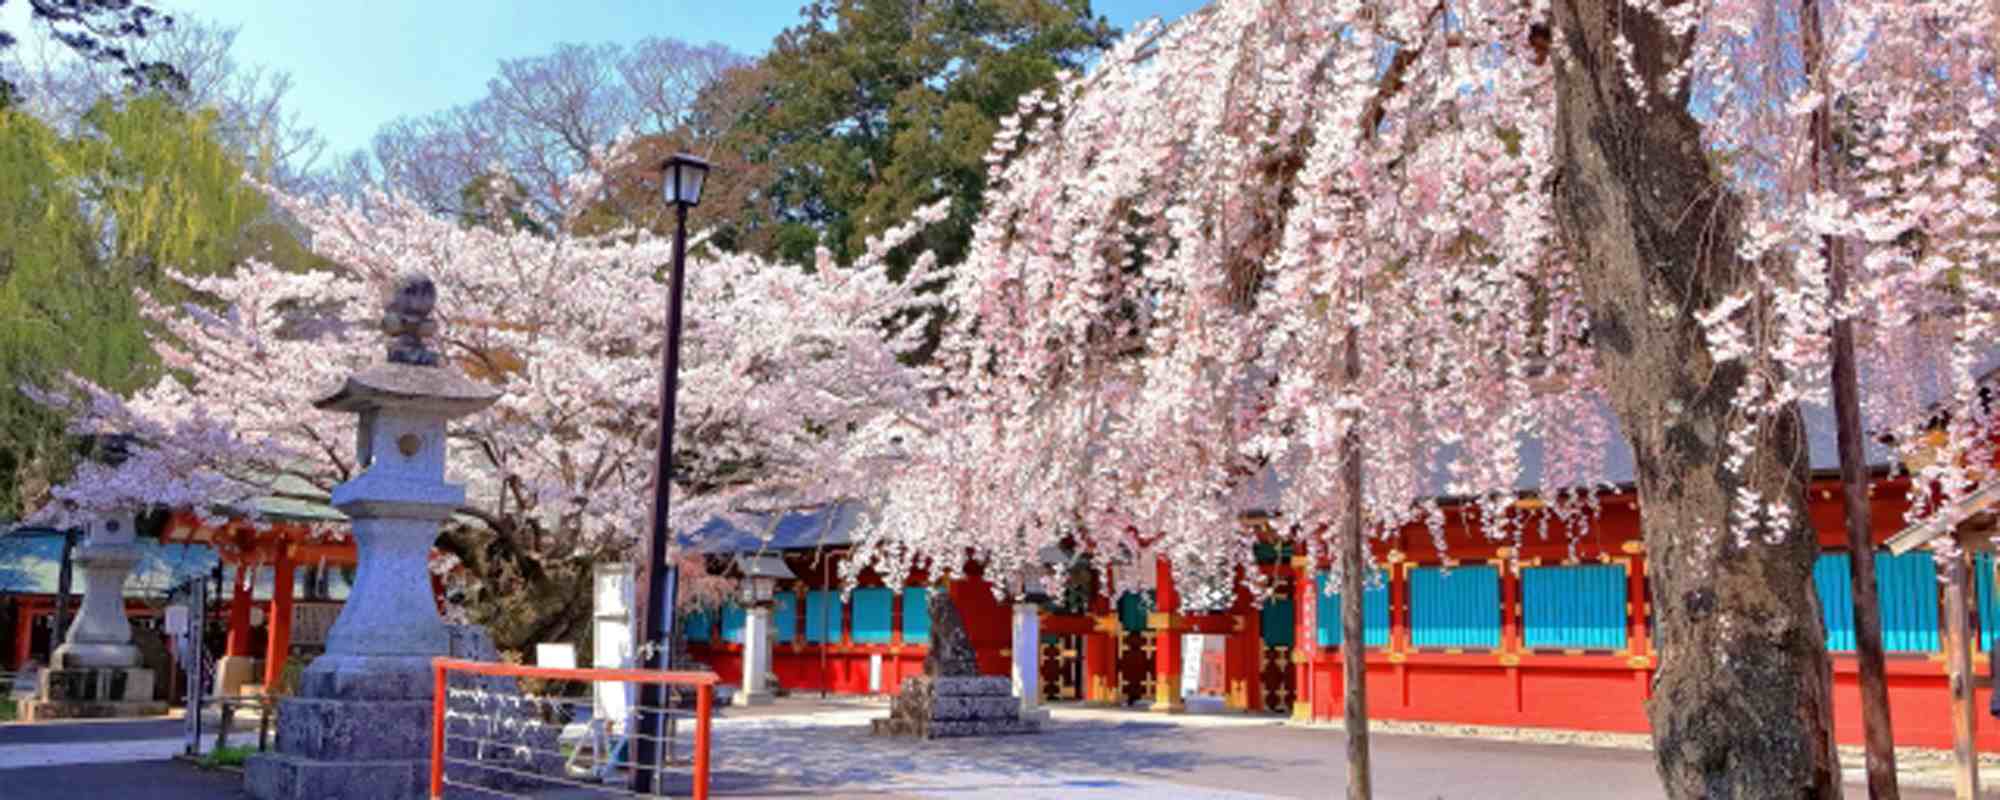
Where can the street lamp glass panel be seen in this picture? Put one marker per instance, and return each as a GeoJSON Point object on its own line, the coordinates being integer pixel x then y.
{"type": "Point", "coordinates": [684, 177]}
{"type": "Point", "coordinates": [758, 591]}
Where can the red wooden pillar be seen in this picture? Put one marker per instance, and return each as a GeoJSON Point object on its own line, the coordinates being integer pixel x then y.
{"type": "Point", "coordinates": [1100, 669]}
{"type": "Point", "coordinates": [1242, 654]}
{"type": "Point", "coordinates": [1166, 643]}
{"type": "Point", "coordinates": [1510, 623]}
{"type": "Point", "coordinates": [1305, 637]}
{"type": "Point", "coordinates": [1639, 644]}
{"type": "Point", "coordinates": [1399, 623]}
{"type": "Point", "coordinates": [24, 635]}
{"type": "Point", "coordinates": [238, 643]}
{"type": "Point", "coordinates": [279, 627]}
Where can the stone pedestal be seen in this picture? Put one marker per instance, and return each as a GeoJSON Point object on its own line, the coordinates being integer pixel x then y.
{"type": "Point", "coordinates": [96, 672]}
{"type": "Point", "coordinates": [232, 673]}
{"type": "Point", "coordinates": [360, 724]}
{"type": "Point", "coordinates": [1027, 665]}
{"type": "Point", "coordinates": [93, 692]}
{"type": "Point", "coordinates": [756, 658]}
{"type": "Point", "coordinates": [951, 698]}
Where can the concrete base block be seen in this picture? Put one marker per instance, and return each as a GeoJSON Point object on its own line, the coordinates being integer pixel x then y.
{"type": "Point", "coordinates": [748, 699]}
{"type": "Point", "coordinates": [276, 776]}
{"type": "Point", "coordinates": [40, 710]}
{"type": "Point", "coordinates": [232, 673]}
{"type": "Point", "coordinates": [93, 693]}
{"type": "Point", "coordinates": [352, 730]}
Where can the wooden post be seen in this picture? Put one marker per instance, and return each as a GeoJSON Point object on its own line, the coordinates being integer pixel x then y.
{"type": "Point", "coordinates": [24, 634]}
{"type": "Point", "coordinates": [279, 626]}
{"type": "Point", "coordinates": [1166, 643]}
{"type": "Point", "coordinates": [1353, 644]}
{"type": "Point", "coordinates": [1958, 652]}
{"type": "Point", "coordinates": [238, 643]}
{"type": "Point", "coordinates": [1305, 637]}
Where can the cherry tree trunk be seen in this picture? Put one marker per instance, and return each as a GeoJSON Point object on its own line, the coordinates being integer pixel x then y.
{"type": "Point", "coordinates": [1741, 703]}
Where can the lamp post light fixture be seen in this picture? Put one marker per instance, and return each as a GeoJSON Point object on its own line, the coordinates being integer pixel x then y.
{"type": "Point", "coordinates": [681, 181]}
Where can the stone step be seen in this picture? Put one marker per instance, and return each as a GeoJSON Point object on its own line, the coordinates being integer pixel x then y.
{"type": "Point", "coordinates": [948, 729]}
{"type": "Point", "coordinates": [275, 776]}
{"type": "Point", "coordinates": [974, 708]}
{"type": "Point", "coordinates": [973, 686]}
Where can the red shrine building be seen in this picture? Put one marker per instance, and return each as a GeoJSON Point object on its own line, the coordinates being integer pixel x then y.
{"type": "Point", "coordinates": [275, 587]}
{"type": "Point", "coordinates": [1548, 630]}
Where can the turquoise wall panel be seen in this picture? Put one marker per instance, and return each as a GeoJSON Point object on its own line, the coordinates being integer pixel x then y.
{"type": "Point", "coordinates": [1906, 588]}
{"type": "Point", "coordinates": [1460, 608]}
{"type": "Point", "coordinates": [732, 623]}
{"type": "Point", "coordinates": [1989, 616]}
{"type": "Point", "coordinates": [822, 617]}
{"type": "Point", "coordinates": [1374, 615]}
{"type": "Point", "coordinates": [1132, 610]}
{"type": "Point", "coordinates": [916, 616]}
{"type": "Point", "coordinates": [785, 617]}
{"type": "Point", "coordinates": [1276, 622]}
{"type": "Point", "coordinates": [1580, 607]}
{"type": "Point", "coordinates": [696, 626]}
{"type": "Point", "coordinates": [874, 615]}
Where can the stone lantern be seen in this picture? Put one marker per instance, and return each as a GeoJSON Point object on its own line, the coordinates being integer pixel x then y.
{"type": "Point", "coordinates": [96, 672]}
{"type": "Point", "coordinates": [360, 723]}
{"type": "Point", "coordinates": [757, 578]}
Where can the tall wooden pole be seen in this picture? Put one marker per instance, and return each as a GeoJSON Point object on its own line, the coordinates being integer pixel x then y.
{"type": "Point", "coordinates": [1353, 646]}
{"type": "Point", "coordinates": [1878, 736]}
{"type": "Point", "coordinates": [1958, 653]}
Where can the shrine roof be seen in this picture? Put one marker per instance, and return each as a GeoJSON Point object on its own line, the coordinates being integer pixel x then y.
{"type": "Point", "coordinates": [32, 564]}
{"type": "Point", "coordinates": [833, 526]}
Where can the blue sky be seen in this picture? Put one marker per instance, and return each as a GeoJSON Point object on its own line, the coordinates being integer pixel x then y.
{"type": "Point", "coordinates": [359, 64]}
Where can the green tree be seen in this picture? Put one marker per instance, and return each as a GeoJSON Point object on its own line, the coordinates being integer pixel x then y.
{"type": "Point", "coordinates": [166, 192]}
{"type": "Point", "coordinates": [876, 107]}
{"type": "Point", "coordinates": [141, 189]}
{"type": "Point", "coordinates": [56, 312]}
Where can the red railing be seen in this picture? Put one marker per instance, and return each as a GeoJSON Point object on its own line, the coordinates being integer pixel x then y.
{"type": "Point", "coordinates": [702, 682]}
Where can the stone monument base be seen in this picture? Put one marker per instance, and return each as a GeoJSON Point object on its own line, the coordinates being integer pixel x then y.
{"type": "Point", "coordinates": [334, 748]}
{"type": "Point", "coordinates": [360, 729]}
{"type": "Point", "coordinates": [93, 693]}
{"type": "Point", "coordinates": [943, 707]}
{"type": "Point", "coordinates": [276, 775]}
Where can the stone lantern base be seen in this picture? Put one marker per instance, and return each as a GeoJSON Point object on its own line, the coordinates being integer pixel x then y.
{"type": "Point", "coordinates": [360, 728]}
{"type": "Point", "coordinates": [91, 693]}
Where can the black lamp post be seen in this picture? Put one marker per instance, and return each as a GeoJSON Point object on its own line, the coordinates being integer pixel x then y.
{"type": "Point", "coordinates": [681, 181]}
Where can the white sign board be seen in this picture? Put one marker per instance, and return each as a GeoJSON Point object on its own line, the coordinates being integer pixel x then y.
{"type": "Point", "coordinates": [611, 637]}
{"type": "Point", "coordinates": [555, 656]}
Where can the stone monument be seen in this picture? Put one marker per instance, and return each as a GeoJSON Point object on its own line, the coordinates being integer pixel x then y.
{"type": "Point", "coordinates": [359, 726]}
{"type": "Point", "coordinates": [96, 671]}
{"type": "Point", "coordinates": [951, 698]}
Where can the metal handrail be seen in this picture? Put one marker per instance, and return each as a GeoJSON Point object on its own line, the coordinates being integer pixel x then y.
{"type": "Point", "coordinates": [703, 682]}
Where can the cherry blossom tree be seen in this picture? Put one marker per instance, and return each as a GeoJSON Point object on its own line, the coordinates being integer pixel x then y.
{"type": "Point", "coordinates": [1454, 231]}
{"type": "Point", "coordinates": [780, 366]}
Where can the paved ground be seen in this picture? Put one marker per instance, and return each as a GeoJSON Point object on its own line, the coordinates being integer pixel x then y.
{"type": "Point", "coordinates": [822, 751]}
{"type": "Point", "coordinates": [54, 744]}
